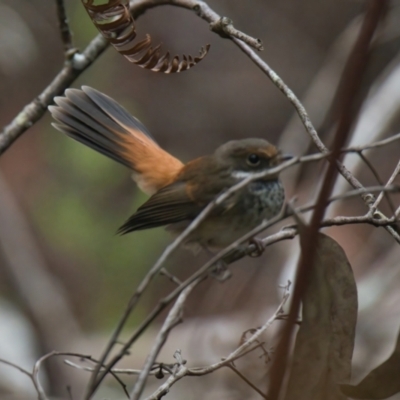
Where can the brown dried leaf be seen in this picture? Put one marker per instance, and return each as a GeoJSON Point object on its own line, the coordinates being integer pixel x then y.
{"type": "Point", "coordinates": [117, 25]}
{"type": "Point", "coordinates": [380, 383]}
{"type": "Point", "coordinates": [325, 341]}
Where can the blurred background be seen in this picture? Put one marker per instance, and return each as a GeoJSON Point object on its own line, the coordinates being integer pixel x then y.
{"type": "Point", "coordinates": [66, 277]}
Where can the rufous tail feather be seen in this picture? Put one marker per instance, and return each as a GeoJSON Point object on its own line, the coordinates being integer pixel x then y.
{"type": "Point", "coordinates": [99, 122]}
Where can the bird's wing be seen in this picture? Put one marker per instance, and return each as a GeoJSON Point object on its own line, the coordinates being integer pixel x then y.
{"type": "Point", "coordinates": [169, 205]}
{"type": "Point", "coordinates": [99, 122]}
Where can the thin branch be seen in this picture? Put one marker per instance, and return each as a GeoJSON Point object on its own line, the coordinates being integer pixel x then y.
{"type": "Point", "coordinates": [39, 362]}
{"type": "Point", "coordinates": [172, 278]}
{"type": "Point", "coordinates": [66, 35]}
{"type": "Point", "coordinates": [378, 179]}
{"type": "Point", "coordinates": [254, 387]}
{"type": "Point", "coordinates": [34, 375]}
{"type": "Point", "coordinates": [183, 371]}
{"type": "Point", "coordinates": [173, 318]}
{"type": "Point", "coordinates": [353, 193]}
{"type": "Point", "coordinates": [117, 371]}
{"type": "Point", "coordinates": [166, 368]}
{"type": "Point", "coordinates": [39, 390]}
{"type": "Point", "coordinates": [32, 112]}
{"type": "Point", "coordinates": [374, 145]}
{"type": "Point", "coordinates": [389, 182]}
{"type": "Point", "coordinates": [17, 367]}
{"type": "Point", "coordinates": [224, 27]}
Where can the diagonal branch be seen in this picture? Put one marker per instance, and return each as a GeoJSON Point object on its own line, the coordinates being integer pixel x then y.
{"type": "Point", "coordinates": [172, 320]}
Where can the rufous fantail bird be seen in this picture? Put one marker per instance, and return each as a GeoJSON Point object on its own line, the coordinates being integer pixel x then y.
{"type": "Point", "coordinates": [179, 192]}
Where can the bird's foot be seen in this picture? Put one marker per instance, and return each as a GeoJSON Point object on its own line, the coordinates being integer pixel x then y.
{"type": "Point", "coordinates": [259, 247]}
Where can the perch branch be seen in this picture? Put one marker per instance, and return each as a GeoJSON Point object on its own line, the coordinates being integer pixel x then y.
{"type": "Point", "coordinates": [206, 267]}
{"type": "Point", "coordinates": [160, 262]}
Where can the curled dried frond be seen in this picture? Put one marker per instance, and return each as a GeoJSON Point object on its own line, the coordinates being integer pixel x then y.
{"type": "Point", "coordinates": [117, 25]}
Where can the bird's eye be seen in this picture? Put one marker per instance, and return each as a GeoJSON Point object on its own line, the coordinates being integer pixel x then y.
{"type": "Point", "coordinates": [253, 160]}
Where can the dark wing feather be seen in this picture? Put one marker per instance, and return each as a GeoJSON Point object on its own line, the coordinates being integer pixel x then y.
{"type": "Point", "coordinates": [106, 150]}
{"type": "Point", "coordinates": [115, 111]}
{"type": "Point", "coordinates": [169, 205]}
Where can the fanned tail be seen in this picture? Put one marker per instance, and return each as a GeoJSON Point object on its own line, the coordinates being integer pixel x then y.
{"type": "Point", "coordinates": [99, 122]}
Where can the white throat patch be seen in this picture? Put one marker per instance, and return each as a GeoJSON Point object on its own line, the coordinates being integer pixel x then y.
{"type": "Point", "coordinates": [243, 174]}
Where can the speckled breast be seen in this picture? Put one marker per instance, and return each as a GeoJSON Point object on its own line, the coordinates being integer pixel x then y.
{"type": "Point", "coordinates": [240, 213]}
{"type": "Point", "coordinates": [264, 199]}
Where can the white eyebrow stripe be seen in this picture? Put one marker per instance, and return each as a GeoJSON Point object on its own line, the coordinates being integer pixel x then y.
{"type": "Point", "coordinates": [243, 174]}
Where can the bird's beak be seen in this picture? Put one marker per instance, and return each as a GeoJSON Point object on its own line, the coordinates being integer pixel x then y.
{"type": "Point", "coordinates": [286, 157]}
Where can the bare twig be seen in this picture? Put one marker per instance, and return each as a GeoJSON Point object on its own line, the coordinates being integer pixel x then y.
{"type": "Point", "coordinates": [119, 371]}
{"type": "Point", "coordinates": [65, 31]}
{"type": "Point", "coordinates": [389, 182]}
{"type": "Point", "coordinates": [354, 193]}
{"type": "Point", "coordinates": [34, 375]}
{"type": "Point", "coordinates": [224, 27]}
{"type": "Point", "coordinates": [374, 145]}
{"type": "Point", "coordinates": [254, 387]}
{"type": "Point", "coordinates": [173, 318]}
{"type": "Point", "coordinates": [38, 364]}
{"type": "Point", "coordinates": [32, 112]}
{"type": "Point", "coordinates": [31, 375]}
{"type": "Point", "coordinates": [183, 371]}
{"type": "Point", "coordinates": [378, 179]}
{"type": "Point", "coordinates": [166, 368]}
{"type": "Point", "coordinates": [172, 278]}
{"type": "Point", "coordinates": [17, 367]}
